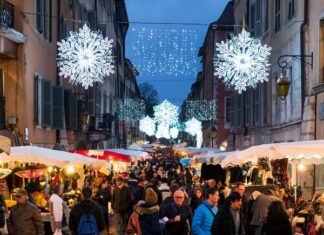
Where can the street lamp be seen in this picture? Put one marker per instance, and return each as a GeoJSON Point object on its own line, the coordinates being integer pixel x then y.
{"type": "Point", "coordinates": [283, 83]}
{"type": "Point", "coordinates": [213, 134]}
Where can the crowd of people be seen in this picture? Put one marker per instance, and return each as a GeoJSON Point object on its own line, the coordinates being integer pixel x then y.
{"type": "Point", "coordinates": [161, 197]}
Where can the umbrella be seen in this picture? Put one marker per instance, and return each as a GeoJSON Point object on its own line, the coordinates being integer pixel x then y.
{"type": "Point", "coordinates": [31, 173]}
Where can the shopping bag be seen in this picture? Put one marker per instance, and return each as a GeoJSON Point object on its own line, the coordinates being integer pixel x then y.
{"type": "Point", "coordinates": [58, 231]}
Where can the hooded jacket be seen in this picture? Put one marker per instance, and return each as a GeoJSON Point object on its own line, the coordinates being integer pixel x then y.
{"type": "Point", "coordinates": [148, 215]}
{"type": "Point", "coordinates": [87, 206]}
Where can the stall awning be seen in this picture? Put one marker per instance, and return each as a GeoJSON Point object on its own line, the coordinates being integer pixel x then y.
{"type": "Point", "coordinates": [104, 155]}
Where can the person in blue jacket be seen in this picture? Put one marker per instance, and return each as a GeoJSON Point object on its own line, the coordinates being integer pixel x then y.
{"type": "Point", "coordinates": [205, 213]}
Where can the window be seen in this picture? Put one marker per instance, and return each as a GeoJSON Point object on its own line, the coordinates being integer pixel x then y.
{"type": "Point", "coordinates": [277, 15]}
{"type": "Point", "coordinates": [248, 107]}
{"type": "Point", "coordinates": [44, 18]}
{"type": "Point", "coordinates": [70, 110]}
{"type": "Point", "coordinates": [291, 9]}
{"type": "Point", "coordinates": [256, 106]}
{"type": "Point", "coordinates": [91, 101]}
{"type": "Point", "coordinates": [265, 20]}
{"type": "Point", "coordinates": [47, 104]}
{"type": "Point", "coordinates": [252, 20]}
{"type": "Point", "coordinates": [258, 24]}
{"type": "Point", "coordinates": [227, 109]}
{"type": "Point", "coordinates": [58, 107]}
{"type": "Point", "coordinates": [233, 124]}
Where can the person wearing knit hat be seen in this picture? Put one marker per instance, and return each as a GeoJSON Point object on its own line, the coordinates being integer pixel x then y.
{"type": "Point", "coordinates": [148, 214]}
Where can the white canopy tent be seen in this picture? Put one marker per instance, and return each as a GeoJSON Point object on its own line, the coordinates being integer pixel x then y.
{"type": "Point", "coordinates": [310, 152]}
{"type": "Point", "coordinates": [210, 158]}
{"type": "Point", "coordinates": [134, 154]}
{"type": "Point", "coordinates": [51, 157]}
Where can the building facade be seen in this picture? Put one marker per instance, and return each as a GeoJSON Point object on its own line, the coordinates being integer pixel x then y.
{"type": "Point", "coordinates": [38, 106]}
{"type": "Point", "coordinates": [217, 131]}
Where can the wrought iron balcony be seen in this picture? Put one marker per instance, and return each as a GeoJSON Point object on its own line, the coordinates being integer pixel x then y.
{"type": "Point", "coordinates": [6, 14]}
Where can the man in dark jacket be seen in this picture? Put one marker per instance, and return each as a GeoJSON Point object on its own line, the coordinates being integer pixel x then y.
{"type": "Point", "coordinates": [229, 220]}
{"type": "Point", "coordinates": [154, 183]}
{"type": "Point", "coordinates": [140, 191]}
{"type": "Point", "coordinates": [179, 215]}
{"type": "Point", "coordinates": [24, 217]}
{"type": "Point", "coordinates": [86, 206]}
{"type": "Point", "coordinates": [121, 203]}
{"type": "Point", "coordinates": [103, 196]}
{"type": "Point", "coordinates": [168, 200]}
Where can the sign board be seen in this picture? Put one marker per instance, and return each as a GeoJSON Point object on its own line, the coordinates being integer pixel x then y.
{"type": "Point", "coordinates": [322, 111]}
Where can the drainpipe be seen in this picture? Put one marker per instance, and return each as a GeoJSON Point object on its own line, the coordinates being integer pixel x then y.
{"type": "Point", "coordinates": [302, 52]}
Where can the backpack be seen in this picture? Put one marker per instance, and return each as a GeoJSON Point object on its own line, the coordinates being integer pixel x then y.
{"type": "Point", "coordinates": [87, 224]}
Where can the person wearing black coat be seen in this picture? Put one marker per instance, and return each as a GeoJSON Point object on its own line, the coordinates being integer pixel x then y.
{"type": "Point", "coordinates": [179, 215]}
{"type": "Point", "coordinates": [102, 197]}
{"type": "Point", "coordinates": [84, 207]}
{"type": "Point", "coordinates": [229, 219]}
{"type": "Point", "coordinates": [277, 220]}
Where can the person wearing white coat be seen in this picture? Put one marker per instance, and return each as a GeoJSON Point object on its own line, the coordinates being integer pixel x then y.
{"type": "Point", "coordinates": [59, 211]}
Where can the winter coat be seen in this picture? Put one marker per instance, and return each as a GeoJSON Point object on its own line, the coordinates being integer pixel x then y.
{"type": "Point", "coordinates": [86, 206]}
{"type": "Point", "coordinates": [165, 191]}
{"type": "Point", "coordinates": [59, 213]}
{"type": "Point", "coordinates": [195, 202]}
{"type": "Point", "coordinates": [224, 224]}
{"type": "Point", "coordinates": [278, 225]}
{"type": "Point", "coordinates": [260, 207]}
{"type": "Point", "coordinates": [25, 219]}
{"type": "Point", "coordinates": [139, 194]}
{"type": "Point", "coordinates": [102, 197]}
{"type": "Point", "coordinates": [203, 219]}
{"type": "Point", "coordinates": [121, 200]}
{"type": "Point", "coordinates": [163, 205]}
{"type": "Point", "coordinates": [148, 215]}
{"type": "Point", "coordinates": [133, 226]}
{"type": "Point", "coordinates": [182, 227]}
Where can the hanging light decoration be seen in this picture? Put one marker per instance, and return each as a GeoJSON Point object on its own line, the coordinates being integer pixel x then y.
{"type": "Point", "coordinates": [194, 128]}
{"type": "Point", "coordinates": [130, 109]}
{"type": "Point", "coordinates": [147, 125]}
{"type": "Point", "coordinates": [203, 110]}
{"type": "Point", "coordinates": [166, 113]}
{"type": "Point", "coordinates": [242, 61]}
{"type": "Point", "coordinates": [85, 57]}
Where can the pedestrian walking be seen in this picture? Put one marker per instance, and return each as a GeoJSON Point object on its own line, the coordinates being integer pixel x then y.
{"type": "Point", "coordinates": [229, 219]}
{"type": "Point", "coordinates": [3, 210]}
{"type": "Point", "coordinates": [59, 211]}
{"type": "Point", "coordinates": [164, 189]}
{"type": "Point", "coordinates": [86, 217]}
{"type": "Point", "coordinates": [205, 213]}
{"type": "Point", "coordinates": [121, 203]}
{"type": "Point", "coordinates": [196, 199]}
{"type": "Point", "coordinates": [148, 214]}
{"type": "Point", "coordinates": [178, 215]}
{"type": "Point", "coordinates": [102, 197]}
{"type": "Point", "coordinates": [24, 217]}
{"type": "Point", "coordinates": [277, 221]}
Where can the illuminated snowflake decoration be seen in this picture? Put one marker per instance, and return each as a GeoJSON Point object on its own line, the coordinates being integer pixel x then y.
{"type": "Point", "coordinates": [166, 113]}
{"type": "Point", "coordinates": [242, 61]}
{"type": "Point", "coordinates": [147, 125]}
{"type": "Point", "coordinates": [85, 57]}
{"type": "Point", "coordinates": [130, 109]}
{"type": "Point", "coordinates": [194, 128]}
{"type": "Point", "coordinates": [163, 131]}
{"type": "Point", "coordinates": [203, 110]}
{"type": "Point", "coordinates": [174, 132]}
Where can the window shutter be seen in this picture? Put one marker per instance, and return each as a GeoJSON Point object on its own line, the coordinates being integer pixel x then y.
{"type": "Point", "coordinates": [48, 20]}
{"type": "Point", "coordinates": [91, 101]}
{"type": "Point", "coordinates": [92, 20]}
{"type": "Point", "coordinates": [47, 104]}
{"type": "Point", "coordinates": [58, 107]}
{"type": "Point", "coordinates": [102, 28]}
{"type": "Point", "coordinates": [36, 121]}
{"type": "Point", "coordinates": [98, 101]}
{"type": "Point", "coordinates": [39, 16]}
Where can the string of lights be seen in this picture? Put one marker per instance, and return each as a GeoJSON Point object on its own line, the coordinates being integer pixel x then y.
{"type": "Point", "coordinates": [130, 109]}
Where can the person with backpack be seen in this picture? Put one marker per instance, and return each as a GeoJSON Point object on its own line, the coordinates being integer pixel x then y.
{"type": "Point", "coordinates": [102, 197]}
{"type": "Point", "coordinates": [205, 213]}
{"type": "Point", "coordinates": [86, 217]}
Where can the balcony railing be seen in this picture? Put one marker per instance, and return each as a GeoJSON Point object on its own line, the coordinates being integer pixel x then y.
{"type": "Point", "coordinates": [6, 14]}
